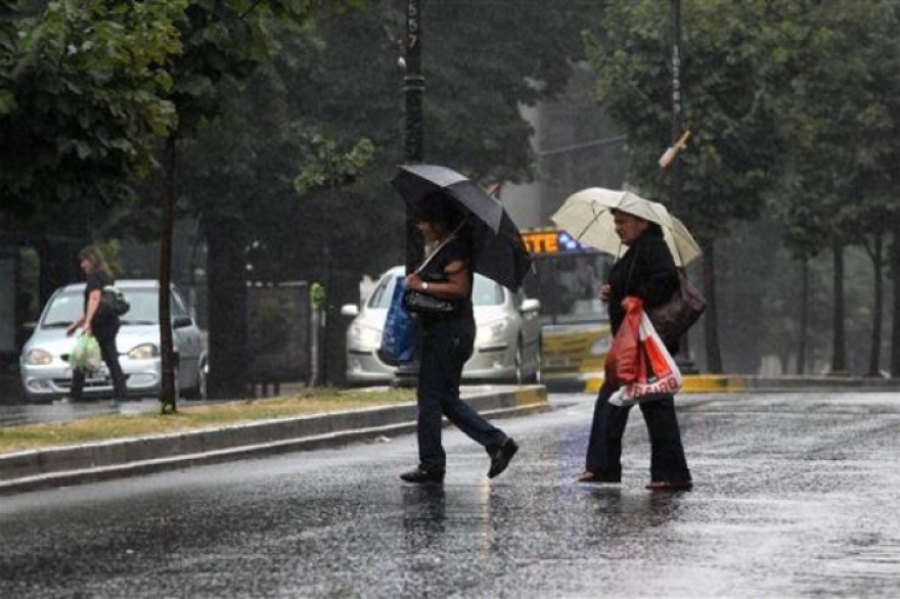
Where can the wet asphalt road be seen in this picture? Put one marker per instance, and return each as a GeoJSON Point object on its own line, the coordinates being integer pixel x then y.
{"type": "Point", "coordinates": [795, 496]}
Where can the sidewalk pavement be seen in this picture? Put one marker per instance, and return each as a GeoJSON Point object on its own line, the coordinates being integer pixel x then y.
{"type": "Point", "coordinates": [55, 467]}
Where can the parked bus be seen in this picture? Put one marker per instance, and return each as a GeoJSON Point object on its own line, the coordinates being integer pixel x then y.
{"type": "Point", "coordinates": [574, 321]}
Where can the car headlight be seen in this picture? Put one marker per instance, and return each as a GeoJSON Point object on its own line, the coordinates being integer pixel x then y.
{"type": "Point", "coordinates": [38, 357]}
{"type": "Point", "coordinates": [491, 331]}
{"type": "Point", "coordinates": [145, 351]}
{"type": "Point", "coordinates": [362, 336]}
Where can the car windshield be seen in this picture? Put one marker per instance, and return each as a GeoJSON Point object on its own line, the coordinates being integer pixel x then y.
{"type": "Point", "coordinates": [67, 307]}
{"type": "Point", "coordinates": [484, 293]}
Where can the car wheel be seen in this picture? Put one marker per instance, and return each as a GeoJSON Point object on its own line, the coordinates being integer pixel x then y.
{"type": "Point", "coordinates": [535, 377]}
{"type": "Point", "coordinates": [199, 390]}
{"type": "Point", "coordinates": [520, 369]}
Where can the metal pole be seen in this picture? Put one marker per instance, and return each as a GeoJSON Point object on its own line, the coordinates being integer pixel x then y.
{"type": "Point", "coordinates": [406, 375]}
{"type": "Point", "coordinates": [677, 118]}
{"type": "Point", "coordinates": [413, 90]}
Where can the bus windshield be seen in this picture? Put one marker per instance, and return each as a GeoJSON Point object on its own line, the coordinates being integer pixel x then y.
{"type": "Point", "coordinates": [568, 282]}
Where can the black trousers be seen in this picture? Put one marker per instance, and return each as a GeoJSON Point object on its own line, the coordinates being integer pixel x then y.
{"type": "Point", "coordinates": [446, 345]}
{"type": "Point", "coordinates": [604, 454]}
{"type": "Point", "coordinates": [106, 339]}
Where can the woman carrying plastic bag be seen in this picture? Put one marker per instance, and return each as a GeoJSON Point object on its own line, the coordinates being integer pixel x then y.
{"type": "Point", "coordinates": [646, 271]}
{"type": "Point", "coordinates": [398, 338]}
{"type": "Point", "coordinates": [101, 325]}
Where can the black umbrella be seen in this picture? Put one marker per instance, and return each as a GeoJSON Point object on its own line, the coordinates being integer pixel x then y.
{"type": "Point", "coordinates": [501, 256]}
{"type": "Point", "coordinates": [415, 181]}
{"type": "Point", "coordinates": [498, 251]}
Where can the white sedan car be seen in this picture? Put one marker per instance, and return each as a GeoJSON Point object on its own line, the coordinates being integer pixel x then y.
{"type": "Point", "coordinates": [44, 363]}
{"type": "Point", "coordinates": [507, 341]}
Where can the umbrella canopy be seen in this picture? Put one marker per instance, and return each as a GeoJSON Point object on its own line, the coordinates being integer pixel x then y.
{"type": "Point", "coordinates": [415, 181]}
{"type": "Point", "coordinates": [501, 256]}
{"type": "Point", "coordinates": [498, 251]}
{"type": "Point", "coordinates": [587, 216]}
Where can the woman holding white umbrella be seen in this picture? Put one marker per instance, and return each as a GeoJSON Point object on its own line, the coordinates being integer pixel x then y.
{"type": "Point", "coordinates": [646, 270]}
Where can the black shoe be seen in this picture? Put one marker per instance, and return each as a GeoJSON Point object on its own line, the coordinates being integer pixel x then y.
{"type": "Point", "coordinates": [423, 475]}
{"type": "Point", "coordinates": [500, 458]}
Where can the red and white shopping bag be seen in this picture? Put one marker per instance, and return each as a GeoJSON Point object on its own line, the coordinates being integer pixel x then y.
{"type": "Point", "coordinates": [656, 373]}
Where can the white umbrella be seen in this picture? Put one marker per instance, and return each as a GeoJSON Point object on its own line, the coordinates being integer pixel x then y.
{"type": "Point", "coordinates": [587, 216]}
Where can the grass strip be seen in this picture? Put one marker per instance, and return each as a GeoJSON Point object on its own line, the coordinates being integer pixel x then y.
{"type": "Point", "coordinates": [193, 418]}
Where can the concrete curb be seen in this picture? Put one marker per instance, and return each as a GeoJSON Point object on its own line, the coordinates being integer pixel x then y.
{"type": "Point", "coordinates": [47, 468]}
{"type": "Point", "coordinates": [730, 383]}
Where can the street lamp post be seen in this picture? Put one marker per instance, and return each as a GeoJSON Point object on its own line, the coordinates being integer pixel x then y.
{"type": "Point", "coordinates": [413, 142]}
{"type": "Point", "coordinates": [406, 375]}
{"type": "Point", "coordinates": [677, 118]}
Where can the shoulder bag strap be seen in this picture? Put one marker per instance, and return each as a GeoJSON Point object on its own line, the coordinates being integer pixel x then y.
{"type": "Point", "coordinates": [435, 251]}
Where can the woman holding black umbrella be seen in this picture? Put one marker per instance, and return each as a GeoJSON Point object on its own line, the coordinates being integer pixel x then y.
{"type": "Point", "coordinates": [447, 342]}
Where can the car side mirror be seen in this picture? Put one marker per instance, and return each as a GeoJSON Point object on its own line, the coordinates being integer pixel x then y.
{"type": "Point", "coordinates": [530, 305]}
{"type": "Point", "coordinates": [181, 322]}
{"type": "Point", "coordinates": [350, 310]}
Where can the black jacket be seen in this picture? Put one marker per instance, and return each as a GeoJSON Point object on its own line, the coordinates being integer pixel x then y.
{"type": "Point", "coordinates": [647, 270]}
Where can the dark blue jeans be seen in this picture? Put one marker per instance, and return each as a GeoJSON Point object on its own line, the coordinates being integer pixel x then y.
{"type": "Point", "coordinates": [446, 345]}
{"type": "Point", "coordinates": [667, 461]}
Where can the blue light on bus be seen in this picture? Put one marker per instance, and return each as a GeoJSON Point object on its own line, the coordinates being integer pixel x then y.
{"type": "Point", "coordinates": [543, 242]}
{"type": "Point", "coordinates": [568, 243]}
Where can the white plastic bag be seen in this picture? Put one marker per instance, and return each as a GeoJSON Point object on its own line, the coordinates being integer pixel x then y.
{"type": "Point", "coordinates": [86, 354]}
{"type": "Point", "coordinates": [658, 375]}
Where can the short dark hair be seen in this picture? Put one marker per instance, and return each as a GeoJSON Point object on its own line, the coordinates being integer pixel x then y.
{"type": "Point", "coordinates": [438, 207]}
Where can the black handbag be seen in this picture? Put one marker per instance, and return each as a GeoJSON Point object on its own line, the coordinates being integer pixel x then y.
{"type": "Point", "coordinates": [422, 303]}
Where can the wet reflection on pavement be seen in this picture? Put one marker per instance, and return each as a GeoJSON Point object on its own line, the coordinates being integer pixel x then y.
{"type": "Point", "coordinates": [795, 496]}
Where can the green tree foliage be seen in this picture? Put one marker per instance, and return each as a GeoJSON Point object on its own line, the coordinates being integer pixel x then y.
{"type": "Point", "coordinates": [726, 168]}
{"type": "Point", "coordinates": [331, 168]}
{"type": "Point", "coordinates": [837, 62]}
{"type": "Point", "coordinates": [339, 81]}
{"type": "Point", "coordinates": [224, 44]}
{"type": "Point", "coordinates": [82, 98]}
{"type": "Point", "coordinates": [840, 62]}
{"type": "Point", "coordinates": [481, 63]}
{"type": "Point", "coordinates": [793, 108]}
{"type": "Point", "coordinates": [727, 163]}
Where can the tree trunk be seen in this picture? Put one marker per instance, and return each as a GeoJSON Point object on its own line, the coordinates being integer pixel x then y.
{"type": "Point", "coordinates": [838, 362]}
{"type": "Point", "coordinates": [895, 325]}
{"type": "Point", "coordinates": [877, 256]}
{"type": "Point", "coordinates": [227, 307]}
{"type": "Point", "coordinates": [804, 316]}
{"type": "Point", "coordinates": [167, 392]}
{"type": "Point", "coordinates": [711, 328]}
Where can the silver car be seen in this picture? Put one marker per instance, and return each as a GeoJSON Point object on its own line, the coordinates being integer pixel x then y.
{"type": "Point", "coordinates": [507, 341]}
{"type": "Point", "coordinates": [44, 366]}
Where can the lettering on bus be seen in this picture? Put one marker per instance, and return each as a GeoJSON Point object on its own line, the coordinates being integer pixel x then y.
{"type": "Point", "coordinates": [551, 242]}
{"type": "Point", "coordinates": [541, 243]}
